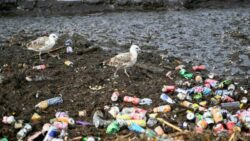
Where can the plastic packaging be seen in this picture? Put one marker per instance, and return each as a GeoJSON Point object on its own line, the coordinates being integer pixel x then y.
{"type": "Point", "coordinates": [24, 131]}
{"type": "Point", "coordinates": [68, 63]}
{"type": "Point", "coordinates": [114, 111]}
{"type": "Point", "coordinates": [164, 109]}
{"type": "Point", "coordinates": [49, 102]}
{"type": "Point", "coordinates": [166, 98]}
{"type": "Point", "coordinates": [35, 117]}
{"type": "Point", "coordinates": [37, 78]}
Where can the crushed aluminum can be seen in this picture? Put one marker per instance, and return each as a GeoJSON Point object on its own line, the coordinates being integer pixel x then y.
{"type": "Point", "coordinates": [68, 63]}
{"type": "Point", "coordinates": [52, 133]}
{"type": "Point", "coordinates": [179, 90]}
{"type": "Point", "coordinates": [198, 79]}
{"type": "Point", "coordinates": [209, 121]}
{"type": "Point", "coordinates": [164, 109]}
{"type": "Point", "coordinates": [199, 68]}
{"type": "Point", "coordinates": [227, 98]}
{"type": "Point", "coordinates": [159, 131]}
{"type": "Point", "coordinates": [244, 100]}
{"type": "Point", "coordinates": [8, 119]}
{"type": "Point", "coordinates": [39, 67]}
{"type": "Point", "coordinates": [62, 114]}
{"type": "Point", "coordinates": [69, 49]}
{"type": "Point", "coordinates": [24, 131]}
{"type": "Point", "coordinates": [115, 96]}
{"type": "Point", "coordinates": [130, 99]}
{"type": "Point", "coordinates": [190, 116]}
{"type": "Point", "coordinates": [181, 96]}
{"type": "Point", "coordinates": [151, 122]}
{"type": "Point", "coordinates": [219, 128]}
{"type": "Point", "coordinates": [202, 123]}
{"type": "Point", "coordinates": [231, 87]}
{"type": "Point", "coordinates": [114, 111]}
{"type": "Point", "coordinates": [168, 89]}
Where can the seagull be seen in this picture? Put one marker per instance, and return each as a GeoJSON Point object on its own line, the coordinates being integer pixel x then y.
{"type": "Point", "coordinates": [124, 60]}
{"type": "Point", "coordinates": [43, 45]}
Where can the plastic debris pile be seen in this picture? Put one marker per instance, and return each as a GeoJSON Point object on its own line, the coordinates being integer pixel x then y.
{"type": "Point", "coordinates": [220, 106]}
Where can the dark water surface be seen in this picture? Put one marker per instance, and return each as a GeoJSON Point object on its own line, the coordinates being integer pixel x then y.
{"type": "Point", "coordinates": [218, 38]}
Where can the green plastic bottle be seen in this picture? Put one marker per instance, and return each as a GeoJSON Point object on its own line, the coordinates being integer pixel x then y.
{"type": "Point", "coordinates": [113, 128]}
{"type": "Point", "coordinates": [4, 139]}
{"type": "Point", "coordinates": [186, 74]}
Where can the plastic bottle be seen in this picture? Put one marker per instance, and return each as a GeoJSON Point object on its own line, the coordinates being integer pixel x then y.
{"type": "Point", "coordinates": [69, 43]}
{"type": "Point", "coordinates": [151, 122]}
{"type": "Point", "coordinates": [166, 98]}
{"type": "Point", "coordinates": [136, 128]}
{"type": "Point", "coordinates": [185, 74]}
{"type": "Point", "coordinates": [133, 100]}
{"type": "Point", "coordinates": [113, 128]}
{"type": "Point", "coordinates": [164, 109]}
{"type": "Point", "coordinates": [24, 131]}
{"type": "Point", "coordinates": [49, 102]}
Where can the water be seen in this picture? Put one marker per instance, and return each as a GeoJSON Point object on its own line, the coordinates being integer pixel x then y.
{"type": "Point", "coordinates": [197, 36]}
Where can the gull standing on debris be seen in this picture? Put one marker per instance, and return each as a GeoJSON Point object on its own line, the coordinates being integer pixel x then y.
{"type": "Point", "coordinates": [124, 60]}
{"type": "Point", "coordinates": [43, 45]}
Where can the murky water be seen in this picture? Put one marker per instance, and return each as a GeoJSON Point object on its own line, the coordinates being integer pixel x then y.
{"type": "Point", "coordinates": [209, 37]}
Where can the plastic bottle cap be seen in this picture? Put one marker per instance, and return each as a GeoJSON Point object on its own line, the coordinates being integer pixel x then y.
{"type": "Point", "coordinates": [190, 116]}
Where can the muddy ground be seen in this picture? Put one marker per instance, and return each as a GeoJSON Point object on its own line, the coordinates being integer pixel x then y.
{"type": "Point", "coordinates": [18, 96]}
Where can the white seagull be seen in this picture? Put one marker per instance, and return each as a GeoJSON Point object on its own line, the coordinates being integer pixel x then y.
{"type": "Point", "coordinates": [124, 60]}
{"type": "Point", "coordinates": [43, 45]}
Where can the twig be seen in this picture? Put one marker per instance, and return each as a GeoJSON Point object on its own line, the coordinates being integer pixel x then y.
{"type": "Point", "coordinates": [170, 125]}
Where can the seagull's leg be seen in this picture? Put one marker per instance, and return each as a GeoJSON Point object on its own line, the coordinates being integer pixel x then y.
{"type": "Point", "coordinates": [115, 74]}
{"type": "Point", "coordinates": [58, 57]}
{"type": "Point", "coordinates": [125, 71]}
{"type": "Point", "coordinates": [40, 56]}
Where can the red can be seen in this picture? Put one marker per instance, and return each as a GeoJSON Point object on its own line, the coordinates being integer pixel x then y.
{"type": "Point", "coordinates": [168, 89]}
{"type": "Point", "coordinates": [218, 129]}
{"type": "Point", "coordinates": [230, 125]}
{"type": "Point", "coordinates": [133, 100]}
{"type": "Point", "coordinates": [199, 68]}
